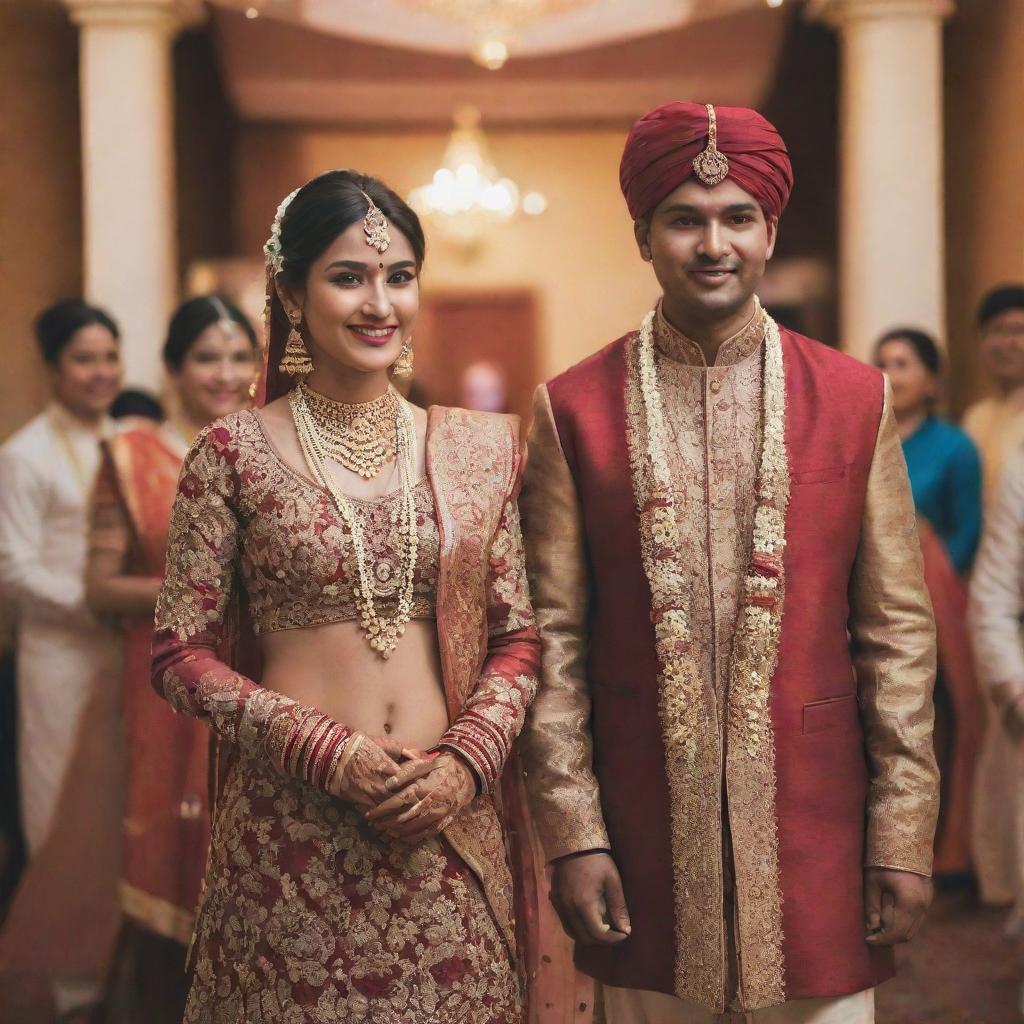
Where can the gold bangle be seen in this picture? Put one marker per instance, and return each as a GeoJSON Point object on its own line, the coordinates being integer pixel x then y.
{"type": "Point", "coordinates": [336, 757]}
{"type": "Point", "coordinates": [354, 743]}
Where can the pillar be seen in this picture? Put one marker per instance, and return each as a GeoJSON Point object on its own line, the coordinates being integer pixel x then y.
{"type": "Point", "coordinates": [891, 182]}
{"type": "Point", "coordinates": [129, 219]}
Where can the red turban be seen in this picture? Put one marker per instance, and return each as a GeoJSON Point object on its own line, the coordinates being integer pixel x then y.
{"type": "Point", "coordinates": [663, 144]}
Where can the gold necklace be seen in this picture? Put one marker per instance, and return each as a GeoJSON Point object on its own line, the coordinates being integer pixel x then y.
{"type": "Point", "coordinates": [381, 632]}
{"type": "Point", "coordinates": [363, 437]}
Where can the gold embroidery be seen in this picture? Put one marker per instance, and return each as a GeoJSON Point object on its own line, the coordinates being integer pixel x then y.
{"type": "Point", "coordinates": [236, 496]}
{"type": "Point", "coordinates": [473, 459]}
{"type": "Point", "coordinates": [311, 916]}
{"type": "Point", "coordinates": [687, 705]}
{"type": "Point", "coordinates": [299, 564]}
{"type": "Point", "coordinates": [750, 759]}
{"type": "Point", "coordinates": [557, 741]}
{"type": "Point", "coordinates": [692, 744]}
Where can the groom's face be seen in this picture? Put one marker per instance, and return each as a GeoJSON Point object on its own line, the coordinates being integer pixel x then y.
{"type": "Point", "coordinates": [709, 247]}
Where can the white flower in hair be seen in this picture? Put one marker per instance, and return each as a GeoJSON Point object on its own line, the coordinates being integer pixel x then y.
{"type": "Point", "coordinates": [272, 247]}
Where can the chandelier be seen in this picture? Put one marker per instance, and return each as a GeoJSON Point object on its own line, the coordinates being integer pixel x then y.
{"type": "Point", "coordinates": [496, 24]}
{"type": "Point", "coordinates": [466, 195]}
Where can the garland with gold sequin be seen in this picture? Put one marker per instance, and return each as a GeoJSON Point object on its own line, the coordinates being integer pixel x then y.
{"type": "Point", "coordinates": [381, 632]}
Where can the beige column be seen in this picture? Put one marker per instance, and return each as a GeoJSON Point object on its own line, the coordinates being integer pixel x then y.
{"type": "Point", "coordinates": [891, 189]}
{"type": "Point", "coordinates": [129, 243]}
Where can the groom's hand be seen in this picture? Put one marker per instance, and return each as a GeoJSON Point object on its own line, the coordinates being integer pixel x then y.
{"type": "Point", "coordinates": [895, 904]}
{"type": "Point", "coordinates": [587, 893]}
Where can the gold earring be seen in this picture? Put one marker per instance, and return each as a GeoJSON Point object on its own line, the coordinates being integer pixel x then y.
{"type": "Point", "coordinates": [402, 366]}
{"type": "Point", "coordinates": [296, 361]}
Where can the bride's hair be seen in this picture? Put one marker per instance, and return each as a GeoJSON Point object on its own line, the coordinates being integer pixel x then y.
{"type": "Point", "coordinates": [328, 206]}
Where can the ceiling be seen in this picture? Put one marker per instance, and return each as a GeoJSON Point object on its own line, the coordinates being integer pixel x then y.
{"type": "Point", "coordinates": [353, 63]}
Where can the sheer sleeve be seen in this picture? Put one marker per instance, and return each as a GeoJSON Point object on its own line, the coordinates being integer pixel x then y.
{"type": "Point", "coordinates": [492, 718]}
{"type": "Point", "coordinates": [190, 615]}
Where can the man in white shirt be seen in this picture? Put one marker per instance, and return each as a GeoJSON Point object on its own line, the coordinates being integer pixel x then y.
{"type": "Point", "coordinates": [47, 471]}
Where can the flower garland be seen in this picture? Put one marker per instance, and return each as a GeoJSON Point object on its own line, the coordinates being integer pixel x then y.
{"type": "Point", "coordinates": [693, 747]}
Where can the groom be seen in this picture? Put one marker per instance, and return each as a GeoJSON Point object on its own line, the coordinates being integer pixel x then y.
{"type": "Point", "coordinates": [730, 757]}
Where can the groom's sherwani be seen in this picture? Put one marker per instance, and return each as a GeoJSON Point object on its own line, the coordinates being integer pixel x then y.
{"type": "Point", "coordinates": [744, 767]}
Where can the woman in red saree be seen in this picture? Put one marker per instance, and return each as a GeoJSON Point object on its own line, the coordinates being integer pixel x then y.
{"type": "Point", "coordinates": [384, 653]}
{"type": "Point", "coordinates": [211, 356]}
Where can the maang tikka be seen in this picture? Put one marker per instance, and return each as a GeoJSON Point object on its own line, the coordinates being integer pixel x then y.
{"type": "Point", "coordinates": [375, 226]}
{"type": "Point", "coordinates": [296, 361]}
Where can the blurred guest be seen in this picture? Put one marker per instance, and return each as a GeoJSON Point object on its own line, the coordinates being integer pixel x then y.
{"type": "Point", "coordinates": [63, 920]}
{"type": "Point", "coordinates": [11, 846]}
{"type": "Point", "coordinates": [997, 423]}
{"type": "Point", "coordinates": [482, 387]}
{"type": "Point", "coordinates": [997, 606]}
{"type": "Point", "coordinates": [211, 358]}
{"type": "Point", "coordinates": [945, 478]}
{"type": "Point", "coordinates": [134, 407]}
{"type": "Point", "coordinates": [997, 426]}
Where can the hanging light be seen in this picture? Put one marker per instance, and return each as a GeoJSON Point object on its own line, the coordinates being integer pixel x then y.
{"type": "Point", "coordinates": [466, 195]}
{"type": "Point", "coordinates": [496, 24]}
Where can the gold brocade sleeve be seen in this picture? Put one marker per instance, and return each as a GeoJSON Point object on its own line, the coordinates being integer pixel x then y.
{"type": "Point", "coordinates": [557, 743]}
{"type": "Point", "coordinates": [893, 641]}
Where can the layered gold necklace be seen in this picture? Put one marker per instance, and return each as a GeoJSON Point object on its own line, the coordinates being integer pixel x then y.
{"type": "Point", "coordinates": [318, 436]}
{"type": "Point", "coordinates": [363, 437]}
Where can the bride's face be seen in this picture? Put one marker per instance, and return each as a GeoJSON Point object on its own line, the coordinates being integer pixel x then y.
{"type": "Point", "coordinates": [359, 305]}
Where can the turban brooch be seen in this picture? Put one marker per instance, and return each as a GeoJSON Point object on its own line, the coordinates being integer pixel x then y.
{"type": "Point", "coordinates": [677, 140]}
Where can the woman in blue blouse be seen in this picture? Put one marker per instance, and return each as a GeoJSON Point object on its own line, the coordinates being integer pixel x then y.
{"type": "Point", "coordinates": [945, 477]}
{"type": "Point", "coordinates": [944, 465]}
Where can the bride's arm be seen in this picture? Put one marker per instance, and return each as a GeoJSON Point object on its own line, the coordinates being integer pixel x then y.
{"type": "Point", "coordinates": [190, 619]}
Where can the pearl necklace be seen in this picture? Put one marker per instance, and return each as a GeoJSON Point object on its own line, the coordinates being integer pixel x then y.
{"type": "Point", "coordinates": [382, 633]}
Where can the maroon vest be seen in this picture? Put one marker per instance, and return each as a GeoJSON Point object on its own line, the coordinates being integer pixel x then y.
{"type": "Point", "coordinates": [833, 410]}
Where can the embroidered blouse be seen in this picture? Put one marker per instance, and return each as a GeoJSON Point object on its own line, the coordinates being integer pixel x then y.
{"type": "Point", "coordinates": [241, 510]}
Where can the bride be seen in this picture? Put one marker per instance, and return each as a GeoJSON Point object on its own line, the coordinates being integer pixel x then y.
{"type": "Point", "coordinates": [345, 605]}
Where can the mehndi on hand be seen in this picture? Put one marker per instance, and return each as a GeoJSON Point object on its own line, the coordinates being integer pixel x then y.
{"type": "Point", "coordinates": [428, 792]}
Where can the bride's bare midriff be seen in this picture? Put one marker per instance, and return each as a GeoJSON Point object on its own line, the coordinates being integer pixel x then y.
{"type": "Point", "coordinates": [334, 669]}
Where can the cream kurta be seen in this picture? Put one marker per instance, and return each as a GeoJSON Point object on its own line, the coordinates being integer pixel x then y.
{"type": "Point", "coordinates": [996, 607]}
{"type": "Point", "coordinates": [996, 425]}
{"type": "Point", "coordinates": [715, 419]}
{"type": "Point", "coordinates": [46, 474]}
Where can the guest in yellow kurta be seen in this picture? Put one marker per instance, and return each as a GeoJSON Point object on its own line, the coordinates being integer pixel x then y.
{"type": "Point", "coordinates": [996, 423]}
